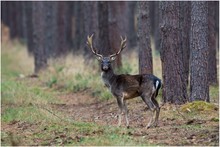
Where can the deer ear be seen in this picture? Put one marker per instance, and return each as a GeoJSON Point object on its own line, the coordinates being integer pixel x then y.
{"type": "Point", "coordinates": [113, 58]}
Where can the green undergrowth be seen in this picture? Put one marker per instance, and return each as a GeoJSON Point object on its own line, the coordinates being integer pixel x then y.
{"type": "Point", "coordinates": [88, 80]}
{"type": "Point", "coordinates": [214, 94]}
{"type": "Point", "coordinates": [27, 116]}
{"type": "Point", "coordinates": [71, 133]}
{"type": "Point", "coordinates": [199, 106]}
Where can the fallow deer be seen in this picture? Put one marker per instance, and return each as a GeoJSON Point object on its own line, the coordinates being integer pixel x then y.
{"type": "Point", "coordinates": [125, 86]}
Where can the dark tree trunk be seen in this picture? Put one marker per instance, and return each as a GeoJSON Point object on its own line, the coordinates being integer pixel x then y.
{"type": "Point", "coordinates": [12, 20]}
{"type": "Point", "coordinates": [51, 29]}
{"type": "Point", "coordinates": [38, 16]}
{"type": "Point", "coordinates": [174, 89]}
{"type": "Point", "coordinates": [23, 21]}
{"type": "Point", "coordinates": [199, 87]}
{"type": "Point", "coordinates": [29, 26]}
{"type": "Point", "coordinates": [185, 9]}
{"type": "Point", "coordinates": [104, 44]}
{"type": "Point", "coordinates": [154, 18]}
{"type": "Point", "coordinates": [117, 27]}
{"type": "Point", "coordinates": [143, 36]}
{"type": "Point", "coordinates": [91, 27]}
{"type": "Point", "coordinates": [217, 22]}
{"type": "Point", "coordinates": [64, 28]}
{"type": "Point", "coordinates": [5, 12]}
{"type": "Point", "coordinates": [131, 32]}
{"type": "Point", "coordinates": [17, 8]}
{"type": "Point", "coordinates": [212, 66]}
{"type": "Point", "coordinates": [79, 29]}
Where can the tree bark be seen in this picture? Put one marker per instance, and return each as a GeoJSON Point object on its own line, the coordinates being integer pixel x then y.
{"type": "Point", "coordinates": [12, 20]}
{"type": "Point", "coordinates": [199, 87]}
{"type": "Point", "coordinates": [29, 26]}
{"type": "Point", "coordinates": [79, 22]}
{"type": "Point", "coordinates": [38, 16]}
{"type": "Point", "coordinates": [212, 64]}
{"type": "Point", "coordinates": [117, 28]}
{"type": "Point", "coordinates": [131, 32]}
{"type": "Point", "coordinates": [64, 28]}
{"type": "Point", "coordinates": [174, 90]}
{"type": "Point", "coordinates": [104, 44]}
{"type": "Point", "coordinates": [51, 37]}
{"type": "Point", "coordinates": [143, 36]}
{"type": "Point", "coordinates": [91, 27]}
{"type": "Point", "coordinates": [185, 11]}
{"type": "Point", "coordinates": [154, 18]}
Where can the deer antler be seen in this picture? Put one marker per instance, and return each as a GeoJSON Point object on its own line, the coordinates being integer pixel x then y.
{"type": "Point", "coordinates": [123, 45]}
{"type": "Point", "coordinates": [89, 43]}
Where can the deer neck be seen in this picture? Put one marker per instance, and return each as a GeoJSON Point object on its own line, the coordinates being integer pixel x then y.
{"type": "Point", "coordinates": [108, 77]}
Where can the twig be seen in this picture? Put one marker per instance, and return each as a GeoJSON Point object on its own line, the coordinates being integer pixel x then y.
{"type": "Point", "coordinates": [40, 107]}
{"type": "Point", "coordinates": [180, 113]}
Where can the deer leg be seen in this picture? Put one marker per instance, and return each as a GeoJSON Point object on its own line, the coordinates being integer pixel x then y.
{"type": "Point", "coordinates": [152, 107]}
{"type": "Point", "coordinates": [121, 108]}
{"type": "Point", "coordinates": [152, 116]}
{"type": "Point", "coordinates": [157, 111]}
{"type": "Point", "coordinates": [126, 115]}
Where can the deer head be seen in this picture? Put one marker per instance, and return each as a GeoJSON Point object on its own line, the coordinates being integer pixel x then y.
{"type": "Point", "coordinates": [105, 61]}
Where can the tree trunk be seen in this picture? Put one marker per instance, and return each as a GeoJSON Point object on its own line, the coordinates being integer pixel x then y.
{"type": "Point", "coordinates": [91, 27]}
{"type": "Point", "coordinates": [64, 28]}
{"type": "Point", "coordinates": [143, 35]}
{"type": "Point", "coordinates": [79, 29]}
{"type": "Point", "coordinates": [212, 65]}
{"type": "Point", "coordinates": [217, 22]}
{"type": "Point", "coordinates": [38, 16]}
{"type": "Point", "coordinates": [117, 27]}
{"type": "Point", "coordinates": [23, 21]}
{"type": "Point", "coordinates": [5, 12]}
{"type": "Point", "coordinates": [29, 24]}
{"type": "Point", "coordinates": [12, 20]}
{"type": "Point", "coordinates": [154, 18]}
{"type": "Point", "coordinates": [185, 10]}
{"type": "Point", "coordinates": [174, 90]}
{"type": "Point", "coordinates": [199, 87]}
{"type": "Point", "coordinates": [131, 32]}
{"type": "Point", "coordinates": [51, 37]}
{"type": "Point", "coordinates": [19, 20]}
{"type": "Point", "coordinates": [104, 44]}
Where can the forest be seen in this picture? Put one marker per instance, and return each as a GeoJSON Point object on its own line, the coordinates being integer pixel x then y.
{"type": "Point", "coordinates": [52, 91]}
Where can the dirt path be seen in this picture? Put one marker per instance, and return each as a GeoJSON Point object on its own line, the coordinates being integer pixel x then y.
{"type": "Point", "coordinates": [171, 130]}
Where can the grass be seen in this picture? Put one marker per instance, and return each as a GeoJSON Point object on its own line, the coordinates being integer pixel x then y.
{"type": "Point", "coordinates": [26, 104]}
{"type": "Point", "coordinates": [214, 94]}
{"type": "Point", "coordinates": [74, 76]}
{"type": "Point", "coordinates": [198, 106]}
{"type": "Point", "coordinates": [27, 114]}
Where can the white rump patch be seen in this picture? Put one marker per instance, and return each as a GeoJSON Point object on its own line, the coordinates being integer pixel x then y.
{"type": "Point", "coordinates": [157, 83]}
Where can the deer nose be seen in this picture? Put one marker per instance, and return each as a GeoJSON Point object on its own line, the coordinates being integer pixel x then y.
{"type": "Point", "coordinates": [105, 67]}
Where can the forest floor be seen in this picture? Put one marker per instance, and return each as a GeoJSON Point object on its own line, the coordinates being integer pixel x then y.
{"type": "Point", "coordinates": [35, 112]}
{"type": "Point", "coordinates": [175, 128]}
{"type": "Point", "coordinates": [92, 120]}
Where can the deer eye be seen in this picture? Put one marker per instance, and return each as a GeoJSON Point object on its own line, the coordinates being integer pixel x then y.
{"type": "Point", "coordinates": [112, 58]}
{"type": "Point", "coordinates": [99, 58]}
